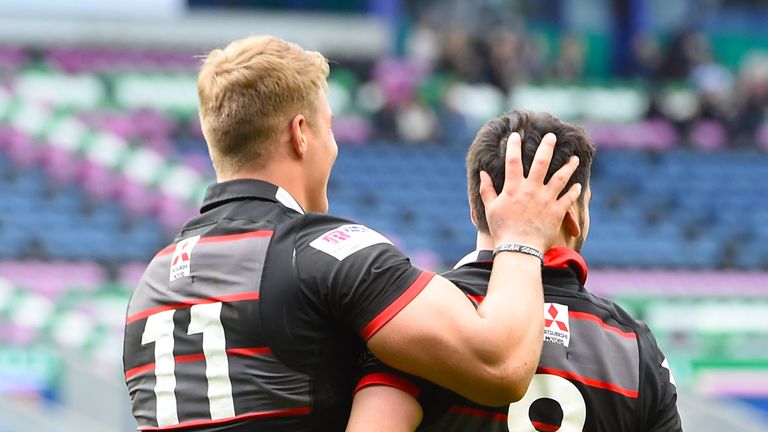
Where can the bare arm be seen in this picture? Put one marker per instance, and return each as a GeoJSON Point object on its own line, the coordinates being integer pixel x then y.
{"type": "Point", "coordinates": [384, 409]}
{"type": "Point", "coordinates": [489, 354]}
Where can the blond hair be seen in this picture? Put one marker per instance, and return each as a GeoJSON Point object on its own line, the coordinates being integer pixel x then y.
{"type": "Point", "coordinates": [248, 93]}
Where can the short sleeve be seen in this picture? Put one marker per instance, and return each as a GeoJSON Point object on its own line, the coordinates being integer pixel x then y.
{"type": "Point", "coordinates": [434, 400]}
{"type": "Point", "coordinates": [659, 388]}
{"type": "Point", "coordinates": [355, 273]}
{"type": "Point", "coordinates": [371, 371]}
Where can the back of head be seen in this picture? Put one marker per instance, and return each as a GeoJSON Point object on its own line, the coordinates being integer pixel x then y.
{"type": "Point", "coordinates": [249, 91]}
{"type": "Point", "coordinates": [490, 144]}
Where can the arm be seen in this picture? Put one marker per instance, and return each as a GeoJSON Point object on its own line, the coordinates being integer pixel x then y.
{"type": "Point", "coordinates": [488, 355]}
{"type": "Point", "coordinates": [381, 408]}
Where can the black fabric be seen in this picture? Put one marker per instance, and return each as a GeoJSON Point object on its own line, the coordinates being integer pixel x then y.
{"type": "Point", "coordinates": [653, 407]}
{"type": "Point", "coordinates": [291, 314]}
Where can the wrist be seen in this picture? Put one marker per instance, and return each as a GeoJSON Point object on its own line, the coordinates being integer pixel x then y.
{"type": "Point", "coordinates": [537, 244]}
{"type": "Point", "coordinates": [519, 248]}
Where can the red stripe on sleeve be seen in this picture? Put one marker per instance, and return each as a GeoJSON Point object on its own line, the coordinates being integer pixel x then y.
{"type": "Point", "coordinates": [389, 380]}
{"type": "Point", "coordinates": [396, 306]}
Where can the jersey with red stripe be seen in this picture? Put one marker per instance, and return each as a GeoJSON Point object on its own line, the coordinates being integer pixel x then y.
{"type": "Point", "coordinates": [600, 370]}
{"type": "Point", "coordinates": [254, 317]}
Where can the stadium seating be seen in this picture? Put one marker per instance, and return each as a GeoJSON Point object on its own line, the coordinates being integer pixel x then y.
{"type": "Point", "coordinates": [669, 210]}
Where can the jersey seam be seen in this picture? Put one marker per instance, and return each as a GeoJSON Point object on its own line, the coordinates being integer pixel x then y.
{"type": "Point", "coordinates": [197, 227]}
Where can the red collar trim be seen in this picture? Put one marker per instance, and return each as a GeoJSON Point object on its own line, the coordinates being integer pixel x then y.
{"type": "Point", "coordinates": [563, 257]}
{"type": "Point", "coordinates": [560, 257]}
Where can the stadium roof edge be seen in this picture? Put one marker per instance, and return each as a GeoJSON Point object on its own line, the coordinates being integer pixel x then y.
{"type": "Point", "coordinates": [363, 37]}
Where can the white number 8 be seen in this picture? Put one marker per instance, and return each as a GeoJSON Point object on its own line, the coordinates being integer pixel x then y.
{"type": "Point", "coordinates": [552, 387]}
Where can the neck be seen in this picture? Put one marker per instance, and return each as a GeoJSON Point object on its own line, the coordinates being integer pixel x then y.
{"type": "Point", "coordinates": [283, 174]}
{"type": "Point", "coordinates": [485, 242]}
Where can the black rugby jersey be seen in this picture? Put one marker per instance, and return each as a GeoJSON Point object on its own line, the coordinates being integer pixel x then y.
{"type": "Point", "coordinates": [600, 370]}
{"type": "Point", "coordinates": [253, 319]}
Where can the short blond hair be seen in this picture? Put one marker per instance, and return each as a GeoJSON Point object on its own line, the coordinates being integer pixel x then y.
{"type": "Point", "coordinates": [249, 91]}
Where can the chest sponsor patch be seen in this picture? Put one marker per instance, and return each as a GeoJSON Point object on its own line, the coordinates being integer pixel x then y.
{"type": "Point", "coordinates": [346, 240]}
{"type": "Point", "coordinates": [557, 328]}
{"type": "Point", "coordinates": [182, 258]}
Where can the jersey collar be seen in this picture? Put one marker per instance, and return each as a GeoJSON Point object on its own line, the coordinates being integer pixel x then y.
{"type": "Point", "coordinates": [557, 257]}
{"type": "Point", "coordinates": [220, 193]}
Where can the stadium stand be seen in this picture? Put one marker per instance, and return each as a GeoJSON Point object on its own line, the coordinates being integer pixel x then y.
{"type": "Point", "coordinates": [123, 127]}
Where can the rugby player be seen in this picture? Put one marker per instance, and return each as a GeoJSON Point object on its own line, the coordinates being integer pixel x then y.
{"type": "Point", "coordinates": [600, 370]}
{"type": "Point", "coordinates": [255, 316]}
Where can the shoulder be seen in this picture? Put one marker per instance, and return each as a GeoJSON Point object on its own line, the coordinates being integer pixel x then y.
{"type": "Point", "coordinates": [652, 360]}
{"type": "Point", "coordinates": [617, 313]}
{"type": "Point", "coordinates": [334, 236]}
{"type": "Point", "coordinates": [473, 281]}
{"type": "Point", "coordinates": [317, 223]}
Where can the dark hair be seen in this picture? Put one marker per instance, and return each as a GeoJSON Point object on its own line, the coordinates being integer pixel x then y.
{"type": "Point", "coordinates": [490, 145]}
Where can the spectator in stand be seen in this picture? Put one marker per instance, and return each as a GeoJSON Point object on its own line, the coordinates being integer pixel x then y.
{"type": "Point", "coordinates": [752, 94]}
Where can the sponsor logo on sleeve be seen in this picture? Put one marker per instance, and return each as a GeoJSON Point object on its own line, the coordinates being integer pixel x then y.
{"type": "Point", "coordinates": [182, 258]}
{"type": "Point", "coordinates": [665, 365]}
{"type": "Point", "coordinates": [557, 328]}
{"type": "Point", "coordinates": [346, 240]}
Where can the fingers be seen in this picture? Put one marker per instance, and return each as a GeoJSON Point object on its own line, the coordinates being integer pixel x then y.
{"type": "Point", "coordinates": [566, 201]}
{"type": "Point", "coordinates": [543, 157]}
{"type": "Point", "coordinates": [513, 170]}
{"type": "Point", "coordinates": [487, 192]}
{"type": "Point", "coordinates": [563, 175]}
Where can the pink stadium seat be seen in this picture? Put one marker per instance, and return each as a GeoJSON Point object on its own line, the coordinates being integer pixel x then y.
{"type": "Point", "coordinates": [21, 150]}
{"type": "Point", "coordinates": [130, 274]}
{"type": "Point", "coordinates": [650, 134]}
{"type": "Point", "coordinates": [59, 164]}
{"type": "Point", "coordinates": [16, 334]}
{"type": "Point", "coordinates": [353, 129]}
{"type": "Point", "coordinates": [151, 123]}
{"type": "Point", "coordinates": [708, 135]}
{"type": "Point", "coordinates": [761, 136]}
{"type": "Point", "coordinates": [700, 283]}
{"type": "Point", "coordinates": [96, 180]}
{"type": "Point", "coordinates": [199, 162]}
{"type": "Point", "coordinates": [398, 79]}
{"type": "Point", "coordinates": [53, 279]}
{"type": "Point", "coordinates": [11, 58]}
{"type": "Point", "coordinates": [135, 198]}
{"type": "Point", "coordinates": [172, 213]}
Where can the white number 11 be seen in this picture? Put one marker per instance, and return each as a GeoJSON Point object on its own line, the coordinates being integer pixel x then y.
{"type": "Point", "coordinates": [205, 319]}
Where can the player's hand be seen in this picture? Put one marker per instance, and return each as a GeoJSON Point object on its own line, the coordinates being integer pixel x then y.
{"type": "Point", "coordinates": [527, 211]}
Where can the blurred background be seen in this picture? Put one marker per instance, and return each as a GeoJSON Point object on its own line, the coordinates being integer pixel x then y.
{"type": "Point", "coordinates": [102, 159]}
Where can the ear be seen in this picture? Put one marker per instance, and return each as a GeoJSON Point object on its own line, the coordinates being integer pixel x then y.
{"type": "Point", "coordinates": [571, 221]}
{"type": "Point", "coordinates": [298, 137]}
{"type": "Point", "coordinates": [472, 212]}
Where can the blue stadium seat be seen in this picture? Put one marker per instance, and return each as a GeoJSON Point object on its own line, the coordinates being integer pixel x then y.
{"type": "Point", "coordinates": [678, 209]}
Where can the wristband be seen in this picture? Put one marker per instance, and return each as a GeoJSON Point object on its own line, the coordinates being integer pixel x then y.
{"type": "Point", "coordinates": [514, 247]}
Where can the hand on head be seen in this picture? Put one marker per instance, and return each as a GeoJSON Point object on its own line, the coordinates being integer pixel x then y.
{"type": "Point", "coordinates": [528, 211]}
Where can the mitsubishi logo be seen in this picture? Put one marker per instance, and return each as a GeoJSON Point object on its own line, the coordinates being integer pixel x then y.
{"type": "Point", "coordinates": [553, 312]}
